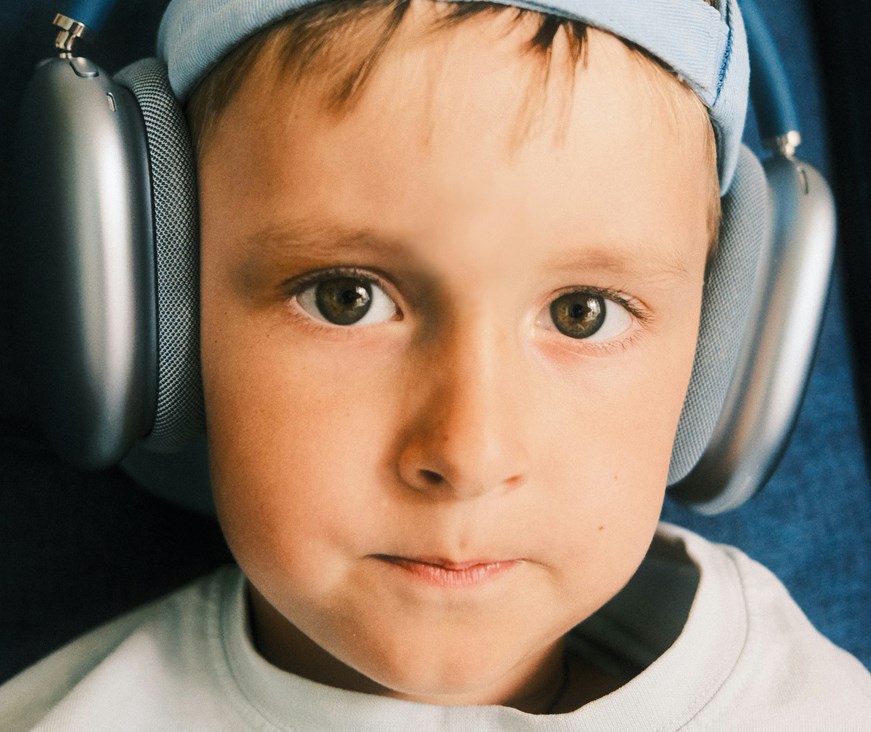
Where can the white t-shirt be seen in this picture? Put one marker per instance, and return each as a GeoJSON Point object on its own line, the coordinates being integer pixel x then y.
{"type": "Point", "coordinates": [721, 644]}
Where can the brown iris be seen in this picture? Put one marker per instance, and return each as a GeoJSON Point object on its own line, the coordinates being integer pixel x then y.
{"type": "Point", "coordinates": [343, 300]}
{"type": "Point", "coordinates": [578, 314]}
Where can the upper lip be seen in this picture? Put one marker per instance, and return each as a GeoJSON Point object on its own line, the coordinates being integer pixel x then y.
{"type": "Point", "coordinates": [443, 563]}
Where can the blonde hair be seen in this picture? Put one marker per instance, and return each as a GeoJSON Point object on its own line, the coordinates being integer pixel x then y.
{"type": "Point", "coordinates": [342, 42]}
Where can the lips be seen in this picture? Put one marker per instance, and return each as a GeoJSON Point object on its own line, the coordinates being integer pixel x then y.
{"type": "Point", "coordinates": [446, 573]}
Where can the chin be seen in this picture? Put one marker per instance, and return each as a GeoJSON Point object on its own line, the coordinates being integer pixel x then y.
{"type": "Point", "coordinates": [450, 671]}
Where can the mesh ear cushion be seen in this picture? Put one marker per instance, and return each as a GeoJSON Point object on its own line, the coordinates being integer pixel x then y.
{"type": "Point", "coordinates": [179, 415]}
{"type": "Point", "coordinates": [179, 412]}
{"type": "Point", "coordinates": [725, 311]}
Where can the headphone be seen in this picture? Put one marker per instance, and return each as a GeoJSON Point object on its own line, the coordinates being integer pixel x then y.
{"type": "Point", "coordinates": [107, 222]}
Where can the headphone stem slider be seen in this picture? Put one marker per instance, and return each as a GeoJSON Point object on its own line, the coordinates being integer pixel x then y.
{"type": "Point", "coordinates": [784, 144]}
{"type": "Point", "coordinates": [70, 31]}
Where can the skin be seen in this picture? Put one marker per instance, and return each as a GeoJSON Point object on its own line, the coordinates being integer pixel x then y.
{"type": "Point", "coordinates": [462, 425]}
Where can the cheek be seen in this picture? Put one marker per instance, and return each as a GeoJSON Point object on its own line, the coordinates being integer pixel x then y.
{"type": "Point", "coordinates": [612, 442]}
{"type": "Point", "coordinates": [617, 418]}
{"type": "Point", "coordinates": [288, 431]}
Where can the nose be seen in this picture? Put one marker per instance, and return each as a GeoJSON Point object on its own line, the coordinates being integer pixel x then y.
{"type": "Point", "coordinates": [465, 432]}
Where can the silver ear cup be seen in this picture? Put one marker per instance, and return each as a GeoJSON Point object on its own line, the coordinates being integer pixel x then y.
{"type": "Point", "coordinates": [85, 262]}
{"type": "Point", "coordinates": [746, 433]}
{"type": "Point", "coordinates": [179, 412]}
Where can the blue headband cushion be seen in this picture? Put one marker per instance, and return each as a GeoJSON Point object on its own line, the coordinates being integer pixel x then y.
{"type": "Point", "coordinates": [709, 53]}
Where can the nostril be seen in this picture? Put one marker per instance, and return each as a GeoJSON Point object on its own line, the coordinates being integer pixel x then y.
{"type": "Point", "coordinates": [431, 477]}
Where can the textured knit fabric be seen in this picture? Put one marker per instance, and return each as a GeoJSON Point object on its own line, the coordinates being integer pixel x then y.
{"type": "Point", "coordinates": [721, 644]}
{"type": "Point", "coordinates": [704, 46]}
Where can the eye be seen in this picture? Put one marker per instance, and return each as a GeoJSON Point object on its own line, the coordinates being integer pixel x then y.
{"type": "Point", "coordinates": [347, 300]}
{"type": "Point", "coordinates": [586, 315]}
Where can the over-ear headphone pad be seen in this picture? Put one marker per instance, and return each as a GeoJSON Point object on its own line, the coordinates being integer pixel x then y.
{"type": "Point", "coordinates": [726, 301]}
{"type": "Point", "coordinates": [179, 413]}
{"type": "Point", "coordinates": [727, 306]}
{"type": "Point", "coordinates": [726, 310]}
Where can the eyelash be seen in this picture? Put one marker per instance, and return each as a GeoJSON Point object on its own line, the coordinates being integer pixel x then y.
{"type": "Point", "coordinates": [635, 308]}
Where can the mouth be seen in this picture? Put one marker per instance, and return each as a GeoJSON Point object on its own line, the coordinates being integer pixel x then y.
{"type": "Point", "coordinates": [446, 573]}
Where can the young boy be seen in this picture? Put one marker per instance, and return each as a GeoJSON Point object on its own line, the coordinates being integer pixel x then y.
{"type": "Point", "coordinates": [452, 266]}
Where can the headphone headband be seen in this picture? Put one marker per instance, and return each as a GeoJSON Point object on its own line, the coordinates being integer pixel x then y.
{"type": "Point", "coordinates": [709, 53]}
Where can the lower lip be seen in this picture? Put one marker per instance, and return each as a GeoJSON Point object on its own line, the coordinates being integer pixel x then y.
{"type": "Point", "coordinates": [466, 575]}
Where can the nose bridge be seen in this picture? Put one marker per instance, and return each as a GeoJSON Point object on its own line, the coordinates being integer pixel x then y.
{"type": "Point", "coordinates": [466, 439]}
{"type": "Point", "coordinates": [477, 357]}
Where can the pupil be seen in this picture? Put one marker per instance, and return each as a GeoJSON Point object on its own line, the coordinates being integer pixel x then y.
{"type": "Point", "coordinates": [350, 297]}
{"type": "Point", "coordinates": [578, 311]}
{"type": "Point", "coordinates": [344, 300]}
{"type": "Point", "coordinates": [578, 314]}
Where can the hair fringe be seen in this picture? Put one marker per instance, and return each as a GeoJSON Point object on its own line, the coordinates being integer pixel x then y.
{"type": "Point", "coordinates": [355, 39]}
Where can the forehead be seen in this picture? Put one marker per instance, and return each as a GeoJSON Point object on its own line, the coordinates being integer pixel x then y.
{"type": "Point", "coordinates": [462, 128]}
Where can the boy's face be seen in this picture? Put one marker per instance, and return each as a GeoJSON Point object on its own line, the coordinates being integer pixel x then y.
{"type": "Point", "coordinates": [438, 484]}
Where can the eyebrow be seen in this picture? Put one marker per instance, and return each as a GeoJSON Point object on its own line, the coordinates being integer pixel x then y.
{"type": "Point", "coordinates": [318, 239]}
{"type": "Point", "coordinates": [317, 242]}
{"type": "Point", "coordinates": [308, 245]}
{"type": "Point", "coordinates": [657, 261]}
